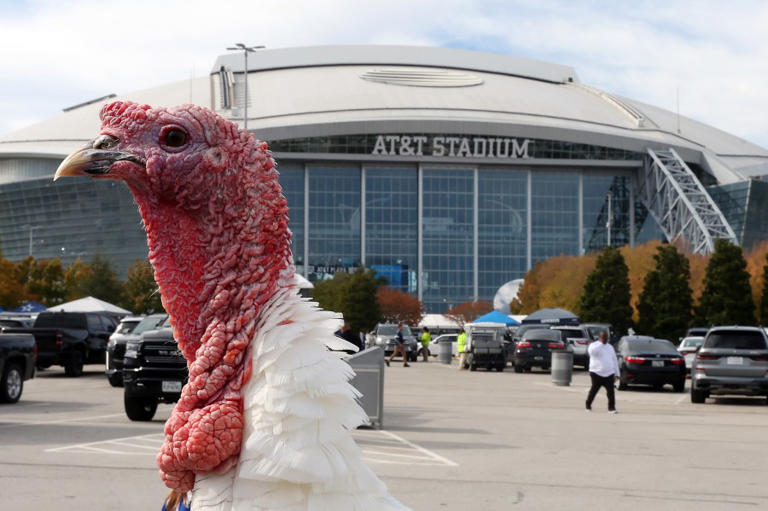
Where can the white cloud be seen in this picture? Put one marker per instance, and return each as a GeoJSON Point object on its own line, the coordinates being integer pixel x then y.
{"type": "Point", "coordinates": [715, 53]}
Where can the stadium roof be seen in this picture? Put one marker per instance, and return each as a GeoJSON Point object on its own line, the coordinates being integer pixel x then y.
{"type": "Point", "coordinates": [300, 92]}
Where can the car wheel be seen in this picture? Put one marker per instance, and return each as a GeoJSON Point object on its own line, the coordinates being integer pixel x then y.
{"type": "Point", "coordinates": [12, 384]}
{"type": "Point", "coordinates": [74, 366]}
{"type": "Point", "coordinates": [698, 396]}
{"type": "Point", "coordinates": [472, 367]}
{"type": "Point", "coordinates": [679, 386]}
{"type": "Point", "coordinates": [518, 369]}
{"type": "Point", "coordinates": [116, 379]}
{"type": "Point", "coordinates": [500, 368]}
{"type": "Point", "coordinates": [622, 382]}
{"type": "Point", "coordinates": [140, 408]}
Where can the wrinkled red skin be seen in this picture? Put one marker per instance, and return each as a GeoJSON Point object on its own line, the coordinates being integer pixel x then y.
{"type": "Point", "coordinates": [217, 229]}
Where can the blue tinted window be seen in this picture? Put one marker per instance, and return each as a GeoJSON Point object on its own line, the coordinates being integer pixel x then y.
{"type": "Point", "coordinates": [391, 225]}
{"type": "Point", "coordinates": [606, 202]}
{"type": "Point", "coordinates": [448, 238]}
{"type": "Point", "coordinates": [554, 214]}
{"type": "Point", "coordinates": [292, 181]}
{"type": "Point", "coordinates": [334, 219]}
{"type": "Point", "coordinates": [502, 222]}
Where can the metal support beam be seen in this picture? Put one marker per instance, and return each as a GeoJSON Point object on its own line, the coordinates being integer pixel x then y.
{"type": "Point", "coordinates": [678, 202]}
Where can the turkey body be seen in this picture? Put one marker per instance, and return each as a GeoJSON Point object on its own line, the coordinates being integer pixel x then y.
{"type": "Point", "coordinates": [297, 451]}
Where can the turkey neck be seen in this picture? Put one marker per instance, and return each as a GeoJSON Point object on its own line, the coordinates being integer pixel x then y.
{"type": "Point", "coordinates": [216, 267]}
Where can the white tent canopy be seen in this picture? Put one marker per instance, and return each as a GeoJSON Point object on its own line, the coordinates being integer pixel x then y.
{"type": "Point", "coordinates": [88, 304]}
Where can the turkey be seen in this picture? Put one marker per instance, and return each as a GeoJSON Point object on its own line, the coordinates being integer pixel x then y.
{"type": "Point", "coordinates": [264, 422]}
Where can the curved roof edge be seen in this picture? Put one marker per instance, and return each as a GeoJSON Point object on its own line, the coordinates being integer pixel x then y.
{"type": "Point", "coordinates": [388, 55]}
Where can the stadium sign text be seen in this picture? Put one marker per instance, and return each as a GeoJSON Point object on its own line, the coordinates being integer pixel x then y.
{"type": "Point", "coordinates": [451, 147]}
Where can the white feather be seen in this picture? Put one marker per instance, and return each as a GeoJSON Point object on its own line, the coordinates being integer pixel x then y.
{"type": "Point", "coordinates": [297, 452]}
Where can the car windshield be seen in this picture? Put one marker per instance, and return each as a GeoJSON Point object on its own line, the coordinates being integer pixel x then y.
{"type": "Point", "coordinates": [148, 323]}
{"type": "Point", "coordinates": [126, 327]}
{"type": "Point", "coordinates": [61, 320]}
{"type": "Point", "coordinates": [693, 342]}
{"type": "Point", "coordinates": [391, 330]}
{"type": "Point", "coordinates": [655, 346]}
{"type": "Point", "coordinates": [542, 335]}
{"type": "Point", "coordinates": [10, 322]}
{"type": "Point", "coordinates": [739, 340]}
{"type": "Point", "coordinates": [594, 331]}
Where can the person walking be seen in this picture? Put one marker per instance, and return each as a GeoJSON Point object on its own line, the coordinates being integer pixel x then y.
{"type": "Point", "coordinates": [399, 347]}
{"type": "Point", "coordinates": [461, 347]}
{"type": "Point", "coordinates": [426, 337]}
{"type": "Point", "coordinates": [604, 370]}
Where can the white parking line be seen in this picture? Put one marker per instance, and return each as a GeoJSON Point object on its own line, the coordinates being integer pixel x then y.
{"type": "Point", "coordinates": [377, 446]}
{"type": "Point", "coordinates": [13, 423]}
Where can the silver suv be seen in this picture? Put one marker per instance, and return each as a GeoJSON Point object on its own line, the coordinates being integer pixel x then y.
{"type": "Point", "coordinates": [732, 360]}
{"type": "Point", "coordinates": [384, 336]}
{"type": "Point", "coordinates": [578, 339]}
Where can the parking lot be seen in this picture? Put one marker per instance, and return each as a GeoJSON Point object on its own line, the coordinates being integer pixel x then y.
{"type": "Point", "coordinates": [452, 441]}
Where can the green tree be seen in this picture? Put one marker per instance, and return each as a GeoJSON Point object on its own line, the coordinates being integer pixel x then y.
{"type": "Point", "coordinates": [354, 295]}
{"type": "Point", "coordinates": [140, 291]}
{"type": "Point", "coordinates": [666, 302]}
{"type": "Point", "coordinates": [46, 282]}
{"type": "Point", "coordinates": [606, 294]}
{"type": "Point", "coordinates": [727, 296]}
{"type": "Point", "coordinates": [764, 295]}
{"type": "Point", "coordinates": [99, 280]}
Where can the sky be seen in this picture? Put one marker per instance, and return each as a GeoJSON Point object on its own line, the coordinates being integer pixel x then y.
{"type": "Point", "coordinates": [712, 55]}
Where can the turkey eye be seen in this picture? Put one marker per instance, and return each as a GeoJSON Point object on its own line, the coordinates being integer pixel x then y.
{"type": "Point", "coordinates": [173, 137]}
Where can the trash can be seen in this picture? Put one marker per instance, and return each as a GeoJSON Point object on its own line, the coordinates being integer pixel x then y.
{"type": "Point", "coordinates": [562, 367]}
{"type": "Point", "coordinates": [445, 353]}
{"type": "Point", "coordinates": [369, 381]}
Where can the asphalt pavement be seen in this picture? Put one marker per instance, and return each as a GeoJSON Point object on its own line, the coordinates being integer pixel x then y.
{"type": "Point", "coordinates": [451, 441]}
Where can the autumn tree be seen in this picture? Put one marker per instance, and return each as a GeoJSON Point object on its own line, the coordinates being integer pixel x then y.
{"type": "Point", "coordinates": [468, 311]}
{"type": "Point", "coordinates": [727, 297]}
{"type": "Point", "coordinates": [11, 290]}
{"type": "Point", "coordinates": [140, 291]}
{"type": "Point", "coordinates": [96, 279]}
{"type": "Point", "coordinates": [606, 294]}
{"type": "Point", "coordinates": [666, 302]}
{"type": "Point", "coordinates": [45, 282]}
{"type": "Point", "coordinates": [398, 307]}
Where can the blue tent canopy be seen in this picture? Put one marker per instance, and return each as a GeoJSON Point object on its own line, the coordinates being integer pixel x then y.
{"type": "Point", "coordinates": [552, 316]}
{"type": "Point", "coordinates": [30, 306]}
{"type": "Point", "coordinates": [496, 317]}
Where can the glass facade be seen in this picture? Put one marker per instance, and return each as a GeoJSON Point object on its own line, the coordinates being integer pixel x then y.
{"type": "Point", "coordinates": [502, 228]}
{"type": "Point", "coordinates": [448, 237]}
{"type": "Point", "coordinates": [391, 225]}
{"type": "Point", "coordinates": [334, 219]}
{"type": "Point", "coordinates": [448, 233]}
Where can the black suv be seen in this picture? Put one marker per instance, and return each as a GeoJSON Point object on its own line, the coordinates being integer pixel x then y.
{"type": "Point", "coordinates": [154, 370]}
{"type": "Point", "coordinates": [118, 340]}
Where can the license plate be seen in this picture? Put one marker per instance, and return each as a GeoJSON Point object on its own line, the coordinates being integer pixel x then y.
{"type": "Point", "coordinates": [735, 360]}
{"type": "Point", "coordinates": [171, 386]}
{"type": "Point", "coordinates": [658, 363]}
{"type": "Point", "coordinates": [539, 358]}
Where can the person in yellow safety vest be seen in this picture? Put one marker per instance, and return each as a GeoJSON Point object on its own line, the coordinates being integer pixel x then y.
{"type": "Point", "coordinates": [425, 338]}
{"type": "Point", "coordinates": [461, 345]}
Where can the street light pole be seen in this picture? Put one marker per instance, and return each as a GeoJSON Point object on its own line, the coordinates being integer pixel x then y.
{"type": "Point", "coordinates": [245, 49]}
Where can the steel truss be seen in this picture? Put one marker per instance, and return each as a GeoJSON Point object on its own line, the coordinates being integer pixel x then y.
{"type": "Point", "coordinates": [679, 203]}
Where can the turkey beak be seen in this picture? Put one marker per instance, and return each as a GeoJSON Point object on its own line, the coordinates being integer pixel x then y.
{"type": "Point", "coordinates": [94, 160]}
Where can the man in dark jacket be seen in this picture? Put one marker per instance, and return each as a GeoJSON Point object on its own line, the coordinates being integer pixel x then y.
{"type": "Point", "coordinates": [348, 335]}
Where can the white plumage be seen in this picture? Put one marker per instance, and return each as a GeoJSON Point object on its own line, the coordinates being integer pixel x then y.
{"type": "Point", "coordinates": [297, 452]}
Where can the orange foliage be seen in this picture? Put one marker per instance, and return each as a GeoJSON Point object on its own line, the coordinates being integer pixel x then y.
{"type": "Point", "coordinates": [468, 311]}
{"type": "Point", "coordinates": [755, 266]}
{"type": "Point", "coordinates": [398, 307]}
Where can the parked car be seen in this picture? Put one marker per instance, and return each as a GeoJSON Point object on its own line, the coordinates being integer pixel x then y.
{"type": "Point", "coordinates": [10, 321]}
{"type": "Point", "coordinates": [644, 360]}
{"type": "Point", "coordinates": [520, 332]}
{"type": "Point", "coordinates": [732, 360]}
{"type": "Point", "coordinates": [697, 331]}
{"type": "Point", "coordinates": [535, 349]}
{"type": "Point", "coordinates": [384, 336]}
{"type": "Point", "coordinates": [129, 329]}
{"type": "Point", "coordinates": [154, 371]}
{"type": "Point", "coordinates": [594, 330]}
{"type": "Point", "coordinates": [17, 364]}
{"type": "Point", "coordinates": [688, 348]}
{"type": "Point", "coordinates": [434, 344]}
{"type": "Point", "coordinates": [486, 346]}
{"type": "Point", "coordinates": [578, 338]}
{"type": "Point", "coordinates": [70, 339]}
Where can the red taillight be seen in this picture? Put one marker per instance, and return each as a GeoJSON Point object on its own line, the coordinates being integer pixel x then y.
{"type": "Point", "coordinates": [677, 361]}
{"type": "Point", "coordinates": [523, 344]}
{"type": "Point", "coordinates": [704, 356]}
{"type": "Point", "coordinates": [634, 360]}
{"type": "Point", "coordinates": [34, 350]}
{"type": "Point", "coordinates": [555, 346]}
{"type": "Point", "coordinates": [59, 339]}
